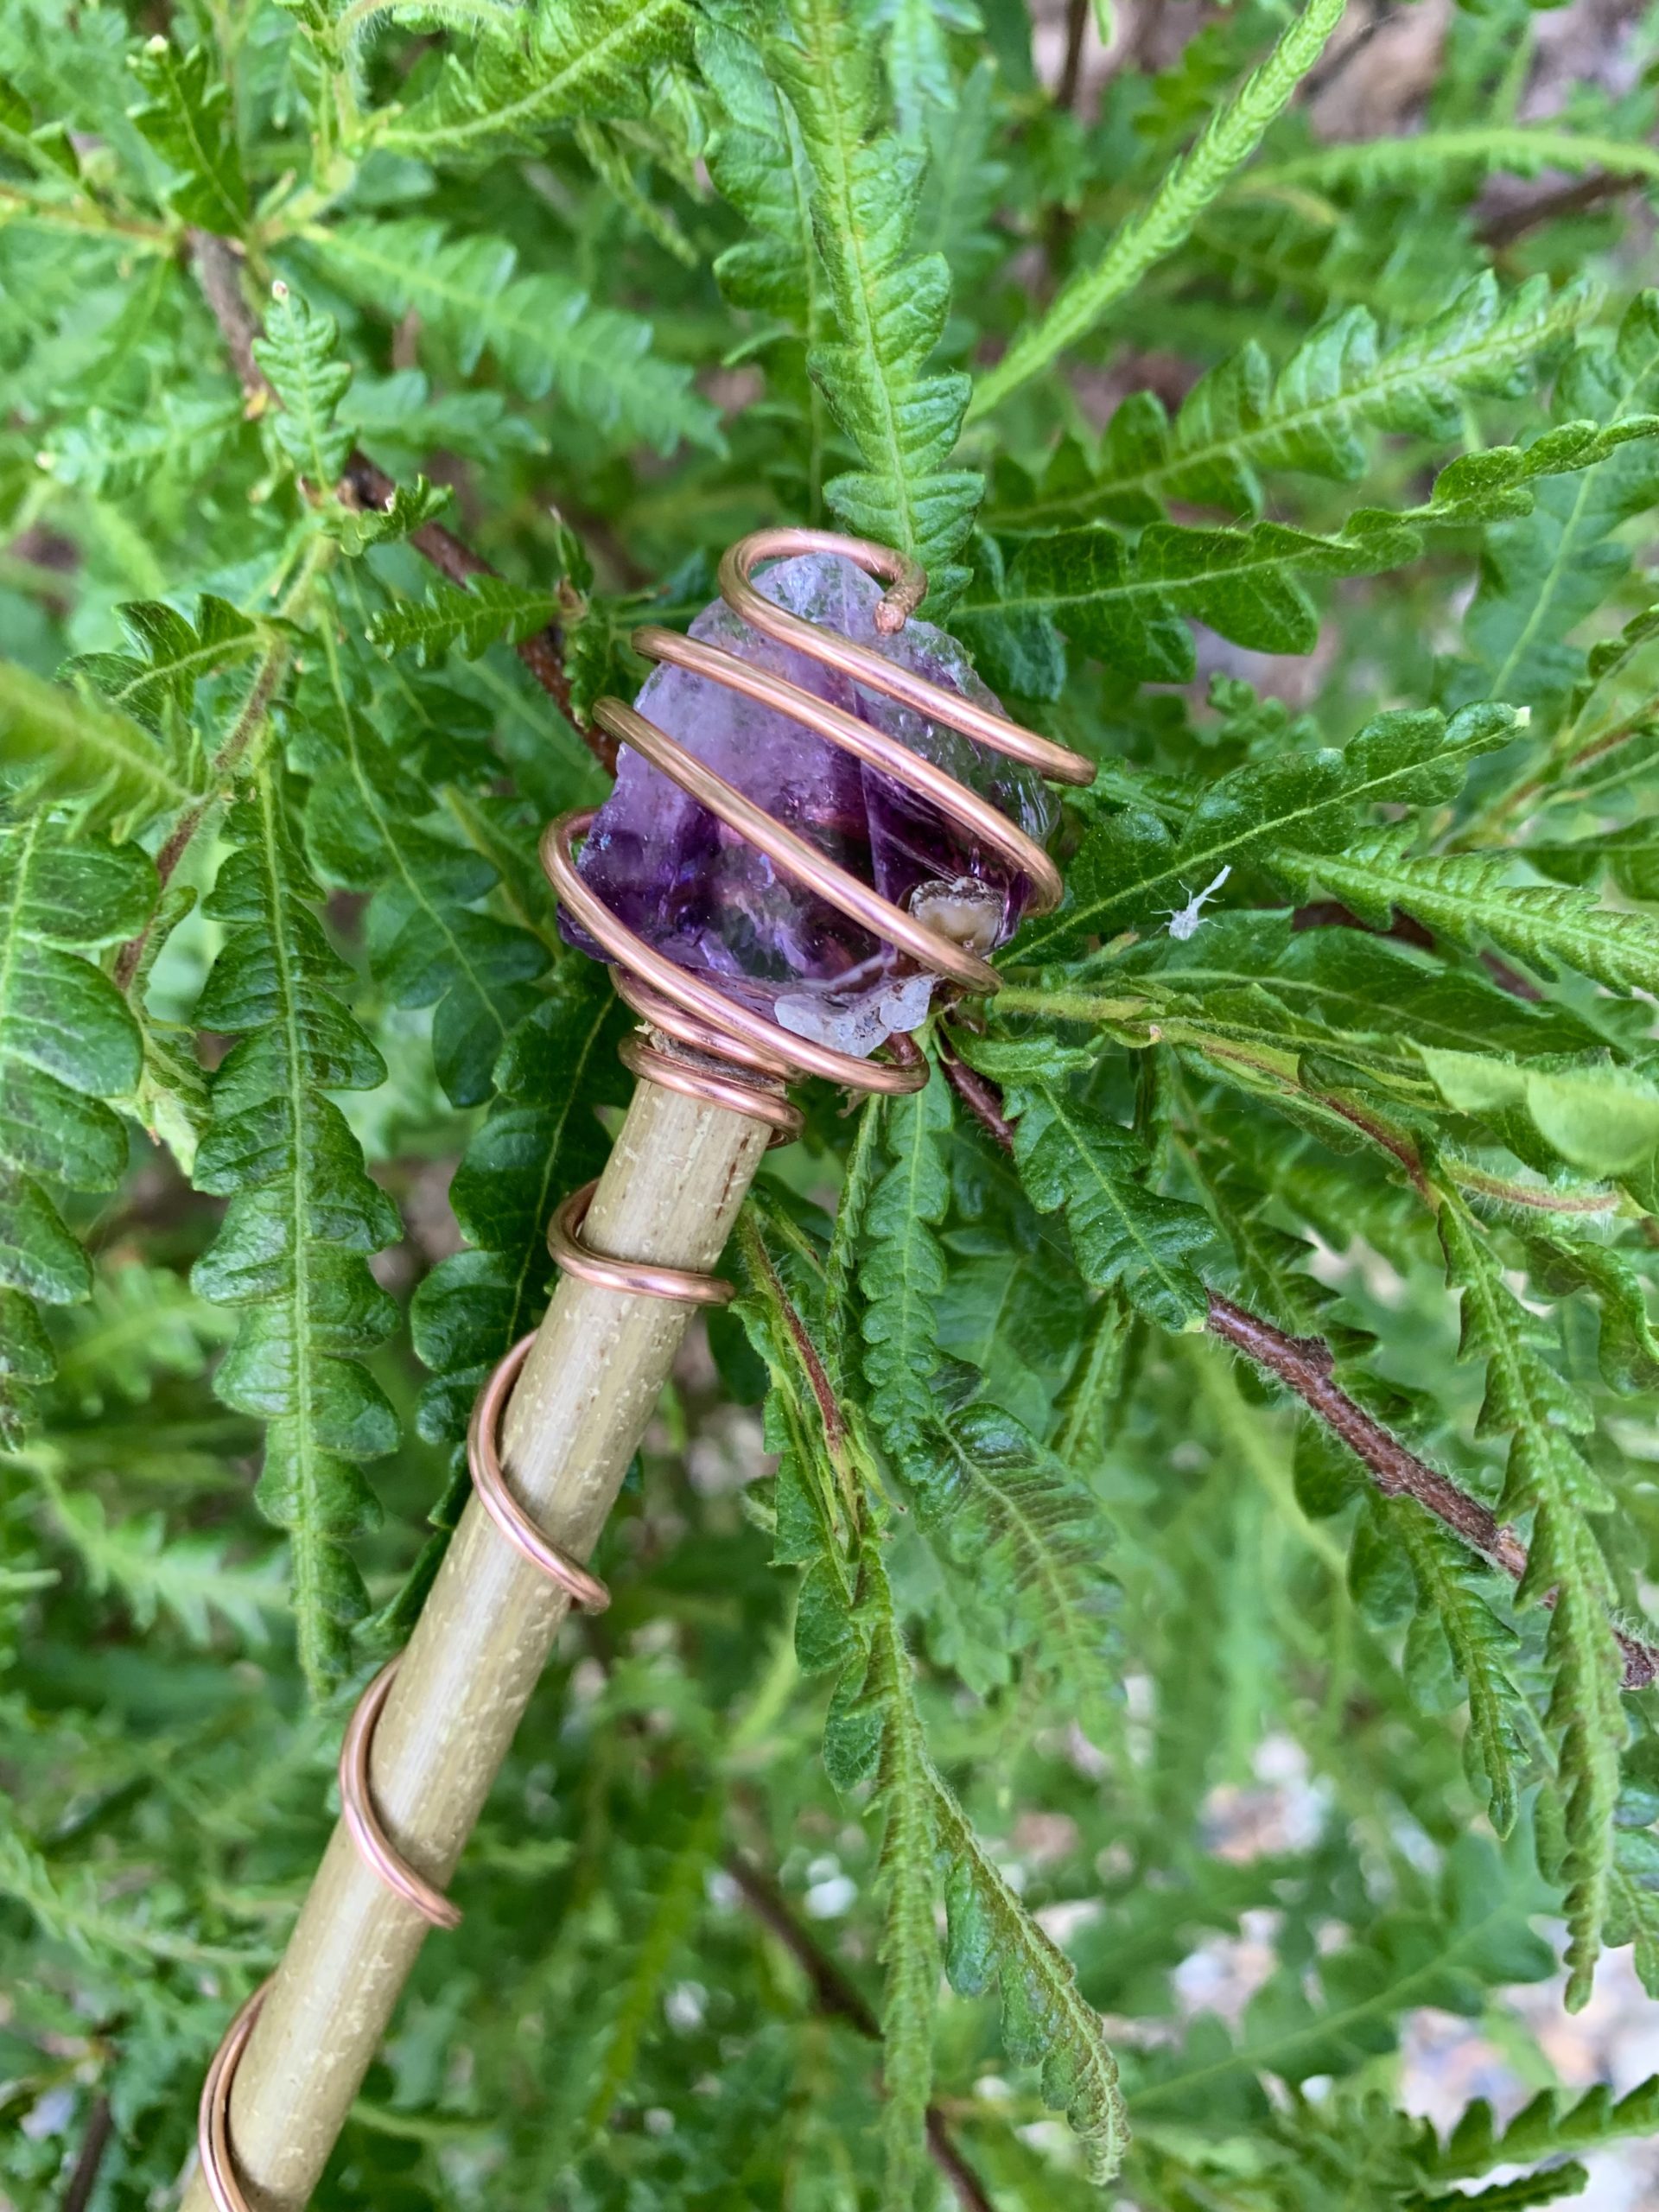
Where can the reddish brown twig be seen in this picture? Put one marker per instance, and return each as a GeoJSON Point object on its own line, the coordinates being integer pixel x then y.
{"type": "Point", "coordinates": [1077, 31]}
{"type": "Point", "coordinates": [1510, 225]}
{"type": "Point", "coordinates": [830, 1413]}
{"type": "Point", "coordinates": [364, 484]}
{"type": "Point", "coordinates": [978, 1093]}
{"type": "Point", "coordinates": [100, 2126]}
{"type": "Point", "coordinates": [838, 1998]}
{"type": "Point", "coordinates": [1306, 1365]}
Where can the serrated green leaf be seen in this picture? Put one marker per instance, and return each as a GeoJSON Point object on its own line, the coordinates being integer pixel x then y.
{"type": "Point", "coordinates": [302, 1217]}
{"type": "Point", "coordinates": [188, 119]}
{"type": "Point", "coordinates": [1243, 417]}
{"type": "Point", "coordinates": [584, 58]}
{"type": "Point", "coordinates": [297, 353]}
{"type": "Point", "coordinates": [67, 746]}
{"type": "Point", "coordinates": [1124, 1233]}
{"type": "Point", "coordinates": [889, 306]}
{"type": "Point", "coordinates": [1131, 866]}
{"type": "Point", "coordinates": [544, 331]}
{"type": "Point", "coordinates": [1468, 898]}
{"type": "Point", "coordinates": [68, 1043]}
{"type": "Point", "coordinates": [470, 620]}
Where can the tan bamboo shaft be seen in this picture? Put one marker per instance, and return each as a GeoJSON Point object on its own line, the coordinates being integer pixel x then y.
{"type": "Point", "coordinates": [671, 1192]}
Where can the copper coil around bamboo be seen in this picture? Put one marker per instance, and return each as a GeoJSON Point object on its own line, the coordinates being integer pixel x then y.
{"type": "Point", "coordinates": [641, 1278]}
{"type": "Point", "coordinates": [362, 1822]}
{"type": "Point", "coordinates": [690, 1008]}
{"type": "Point", "coordinates": [483, 1461]}
{"type": "Point", "coordinates": [214, 2112]}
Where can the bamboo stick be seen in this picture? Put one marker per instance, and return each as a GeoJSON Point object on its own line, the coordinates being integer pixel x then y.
{"type": "Point", "coordinates": [671, 1192]}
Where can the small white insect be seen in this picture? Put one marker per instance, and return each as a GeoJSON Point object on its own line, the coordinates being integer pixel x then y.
{"type": "Point", "coordinates": [1184, 920]}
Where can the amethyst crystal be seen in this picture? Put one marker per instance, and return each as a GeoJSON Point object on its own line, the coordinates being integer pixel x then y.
{"type": "Point", "coordinates": [700, 893]}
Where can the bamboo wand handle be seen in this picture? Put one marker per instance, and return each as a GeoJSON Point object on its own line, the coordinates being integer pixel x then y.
{"type": "Point", "coordinates": [671, 1192]}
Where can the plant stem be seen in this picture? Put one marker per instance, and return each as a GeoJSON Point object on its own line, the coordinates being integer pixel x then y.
{"type": "Point", "coordinates": [364, 484]}
{"type": "Point", "coordinates": [838, 1998]}
{"type": "Point", "coordinates": [674, 1183]}
{"type": "Point", "coordinates": [100, 2126]}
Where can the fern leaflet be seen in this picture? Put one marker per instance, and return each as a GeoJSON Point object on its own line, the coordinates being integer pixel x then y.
{"type": "Point", "coordinates": [302, 1216]}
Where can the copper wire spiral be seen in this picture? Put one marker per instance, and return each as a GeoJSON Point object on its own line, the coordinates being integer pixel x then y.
{"type": "Point", "coordinates": [701, 1043]}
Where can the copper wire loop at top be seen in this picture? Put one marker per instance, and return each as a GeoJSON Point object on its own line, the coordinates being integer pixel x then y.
{"type": "Point", "coordinates": [362, 1822]}
{"type": "Point", "coordinates": [484, 1464]}
{"type": "Point", "coordinates": [698, 1011]}
{"type": "Point", "coordinates": [675, 1072]}
{"type": "Point", "coordinates": [214, 2112]}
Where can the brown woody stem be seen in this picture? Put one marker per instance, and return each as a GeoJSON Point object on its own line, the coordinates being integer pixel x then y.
{"type": "Point", "coordinates": [364, 484]}
{"type": "Point", "coordinates": [838, 1998]}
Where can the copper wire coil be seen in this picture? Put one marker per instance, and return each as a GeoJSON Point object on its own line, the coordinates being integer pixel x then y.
{"type": "Point", "coordinates": [357, 1808]}
{"type": "Point", "coordinates": [483, 1461]}
{"type": "Point", "coordinates": [214, 2112]}
{"type": "Point", "coordinates": [641, 1278]}
{"type": "Point", "coordinates": [675, 1071]}
{"type": "Point", "coordinates": [695, 1010]}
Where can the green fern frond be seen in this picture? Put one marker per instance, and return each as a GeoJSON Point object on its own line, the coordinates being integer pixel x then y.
{"type": "Point", "coordinates": [178, 440]}
{"type": "Point", "coordinates": [1527, 1401]}
{"type": "Point", "coordinates": [1045, 2020]}
{"type": "Point", "coordinates": [890, 306]}
{"type": "Point", "coordinates": [543, 1136]}
{"type": "Point", "coordinates": [1469, 898]}
{"type": "Point", "coordinates": [187, 118]}
{"type": "Point", "coordinates": [299, 354]}
{"type": "Point", "coordinates": [1551, 2122]}
{"type": "Point", "coordinates": [428, 943]}
{"type": "Point", "coordinates": [544, 330]}
{"type": "Point", "coordinates": [470, 619]}
{"type": "Point", "coordinates": [581, 57]}
{"type": "Point", "coordinates": [1128, 603]}
{"type": "Point", "coordinates": [906, 1786]}
{"type": "Point", "coordinates": [1543, 575]}
{"type": "Point", "coordinates": [1073, 1159]}
{"type": "Point", "coordinates": [292, 1252]}
{"type": "Point", "coordinates": [903, 1271]}
{"type": "Point", "coordinates": [1311, 415]}
{"type": "Point", "coordinates": [60, 744]}
{"type": "Point", "coordinates": [1230, 136]}
{"type": "Point", "coordinates": [1455, 1620]}
{"type": "Point", "coordinates": [1427, 157]}
{"type": "Point", "coordinates": [142, 1323]}
{"type": "Point", "coordinates": [158, 680]}
{"type": "Point", "coordinates": [68, 1043]}
{"type": "Point", "coordinates": [1132, 867]}
{"type": "Point", "coordinates": [189, 1578]}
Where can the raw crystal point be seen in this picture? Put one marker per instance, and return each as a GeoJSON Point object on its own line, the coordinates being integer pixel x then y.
{"type": "Point", "coordinates": [701, 894]}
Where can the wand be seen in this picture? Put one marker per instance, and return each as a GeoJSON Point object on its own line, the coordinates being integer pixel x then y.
{"type": "Point", "coordinates": [757, 942]}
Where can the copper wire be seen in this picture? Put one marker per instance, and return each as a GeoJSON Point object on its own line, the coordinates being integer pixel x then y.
{"type": "Point", "coordinates": [729, 1056]}
{"type": "Point", "coordinates": [695, 1010]}
{"type": "Point", "coordinates": [214, 2112]}
{"type": "Point", "coordinates": [642, 1278]}
{"type": "Point", "coordinates": [357, 1808]}
{"type": "Point", "coordinates": [483, 1461]}
{"type": "Point", "coordinates": [675, 1072]}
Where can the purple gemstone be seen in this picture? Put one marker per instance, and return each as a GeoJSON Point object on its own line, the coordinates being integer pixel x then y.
{"type": "Point", "coordinates": [700, 893]}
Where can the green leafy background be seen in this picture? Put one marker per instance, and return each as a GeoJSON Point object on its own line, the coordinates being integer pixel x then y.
{"type": "Point", "coordinates": [1295, 469]}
